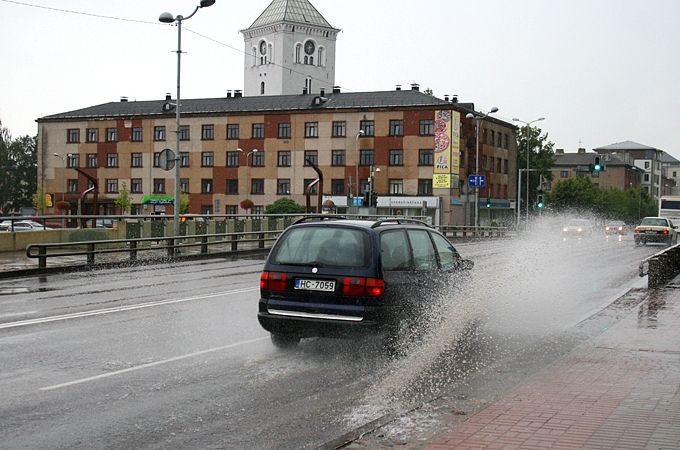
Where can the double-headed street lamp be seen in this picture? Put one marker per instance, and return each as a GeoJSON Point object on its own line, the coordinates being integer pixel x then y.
{"type": "Point", "coordinates": [528, 125]}
{"type": "Point", "coordinates": [166, 17]}
{"type": "Point", "coordinates": [478, 118]}
{"type": "Point", "coordinates": [249, 188]}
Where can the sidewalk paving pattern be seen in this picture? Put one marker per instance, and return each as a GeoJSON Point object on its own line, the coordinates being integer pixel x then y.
{"type": "Point", "coordinates": [620, 390]}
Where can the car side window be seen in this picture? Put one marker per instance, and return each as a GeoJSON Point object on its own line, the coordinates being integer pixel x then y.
{"type": "Point", "coordinates": [448, 256]}
{"type": "Point", "coordinates": [424, 257]}
{"type": "Point", "coordinates": [394, 251]}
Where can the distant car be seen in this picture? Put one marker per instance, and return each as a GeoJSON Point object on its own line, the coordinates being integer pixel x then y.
{"type": "Point", "coordinates": [104, 223]}
{"type": "Point", "coordinates": [615, 227]}
{"type": "Point", "coordinates": [29, 225]}
{"type": "Point", "coordinates": [656, 229]}
{"type": "Point", "coordinates": [577, 228]}
{"type": "Point", "coordinates": [331, 277]}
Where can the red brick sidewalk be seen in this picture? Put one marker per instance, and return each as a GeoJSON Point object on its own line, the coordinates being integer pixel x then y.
{"type": "Point", "coordinates": [620, 390]}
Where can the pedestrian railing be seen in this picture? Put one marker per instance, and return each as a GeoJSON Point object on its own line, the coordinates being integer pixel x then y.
{"type": "Point", "coordinates": [120, 250]}
{"type": "Point", "coordinates": [661, 267]}
{"type": "Point", "coordinates": [452, 231]}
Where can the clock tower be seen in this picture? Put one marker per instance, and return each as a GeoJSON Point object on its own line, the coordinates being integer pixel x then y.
{"type": "Point", "coordinates": [289, 49]}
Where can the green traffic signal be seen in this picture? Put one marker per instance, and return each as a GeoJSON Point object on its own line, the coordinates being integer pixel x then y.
{"type": "Point", "coordinates": [488, 203]}
{"type": "Point", "coordinates": [540, 203]}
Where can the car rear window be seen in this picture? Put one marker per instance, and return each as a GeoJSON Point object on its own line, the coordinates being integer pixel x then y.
{"type": "Point", "coordinates": [654, 222]}
{"type": "Point", "coordinates": [324, 246]}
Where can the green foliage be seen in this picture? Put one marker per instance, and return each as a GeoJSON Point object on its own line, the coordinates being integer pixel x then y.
{"type": "Point", "coordinates": [38, 200]}
{"type": "Point", "coordinates": [19, 169]}
{"type": "Point", "coordinates": [284, 206]}
{"type": "Point", "coordinates": [541, 157]}
{"type": "Point", "coordinates": [124, 202]}
{"type": "Point", "coordinates": [183, 203]}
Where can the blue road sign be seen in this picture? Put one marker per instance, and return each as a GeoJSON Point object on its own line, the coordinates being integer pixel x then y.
{"type": "Point", "coordinates": [357, 201]}
{"type": "Point", "coordinates": [477, 180]}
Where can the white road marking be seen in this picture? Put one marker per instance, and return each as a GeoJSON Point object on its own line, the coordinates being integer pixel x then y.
{"type": "Point", "coordinates": [153, 364]}
{"type": "Point", "coordinates": [117, 309]}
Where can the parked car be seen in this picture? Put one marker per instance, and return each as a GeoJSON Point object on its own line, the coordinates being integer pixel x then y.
{"type": "Point", "coordinates": [330, 277]}
{"type": "Point", "coordinates": [615, 227]}
{"type": "Point", "coordinates": [577, 228]}
{"type": "Point", "coordinates": [104, 223]}
{"type": "Point", "coordinates": [29, 225]}
{"type": "Point", "coordinates": [656, 229]}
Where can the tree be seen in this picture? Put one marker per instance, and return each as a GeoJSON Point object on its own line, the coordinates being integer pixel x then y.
{"type": "Point", "coordinates": [183, 203]}
{"type": "Point", "coordinates": [541, 157]}
{"type": "Point", "coordinates": [19, 169]}
{"type": "Point", "coordinates": [124, 202]}
{"type": "Point", "coordinates": [574, 193]}
{"type": "Point", "coordinates": [284, 206]}
{"type": "Point", "coordinates": [38, 200]}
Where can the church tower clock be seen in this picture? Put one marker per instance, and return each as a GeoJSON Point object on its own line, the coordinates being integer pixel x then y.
{"type": "Point", "coordinates": [289, 49]}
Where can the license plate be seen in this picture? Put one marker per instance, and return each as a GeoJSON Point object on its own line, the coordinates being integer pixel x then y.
{"type": "Point", "coordinates": [315, 285]}
{"type": "Point", "coordinates": [650, 232]}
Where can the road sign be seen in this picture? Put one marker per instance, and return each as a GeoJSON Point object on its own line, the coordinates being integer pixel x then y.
{"type": "Point", "coordinates": [357, 201]}
{"type": "Point", "coordinates": [476, 180]}
{"type": "Point", "coordinates": [166, 159]}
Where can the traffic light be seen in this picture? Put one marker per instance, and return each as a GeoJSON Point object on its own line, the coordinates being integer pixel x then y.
{"type": "Point", "coordinates": [488, 203]}
{"type": "Point", "coordinates": [597, 166]}
{"type": "Point", "coordinates": [367, 198]}
{"type": "Point", "coordinates": [48, 200]}
{"type": "Point", "coordinates": [374, 199]}
{"type": "Point", "coordinates": [539, 202]}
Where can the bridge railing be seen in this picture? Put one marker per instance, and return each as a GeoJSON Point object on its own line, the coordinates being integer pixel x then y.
{"type": "Point", "coordinates": [661, 267]}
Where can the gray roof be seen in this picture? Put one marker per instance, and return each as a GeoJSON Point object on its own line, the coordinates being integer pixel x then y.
{"type": "Point", "coordinates": [260, 104]}
{"type": "Point", "coordinates": [293, 11]}
{"type": "Point", "coordinates": [584, 159]}
{"type": "Point", "coordinates": [668, 159]}
{"type": "Point", "coordinates": [625, 145]}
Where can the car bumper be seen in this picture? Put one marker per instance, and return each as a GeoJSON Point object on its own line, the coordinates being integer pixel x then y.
{"type": "Point", "coordinates": [652, 237]}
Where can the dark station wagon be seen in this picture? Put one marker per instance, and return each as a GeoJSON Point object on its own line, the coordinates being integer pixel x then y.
{"type": "Point", "coordinates": [332, 276]}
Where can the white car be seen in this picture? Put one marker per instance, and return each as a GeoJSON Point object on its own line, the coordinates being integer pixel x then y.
{"type": "Point", "coordinates": [25, 225]}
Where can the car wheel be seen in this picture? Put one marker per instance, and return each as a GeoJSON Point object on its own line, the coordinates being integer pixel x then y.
{"type": "Point", "coordinates": [637, 242]}
{"type": "Point", "coordinates": [284, 340]}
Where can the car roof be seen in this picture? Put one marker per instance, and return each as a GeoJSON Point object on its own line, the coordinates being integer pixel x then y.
{"type": "Point", "coordinates": [360, 223]}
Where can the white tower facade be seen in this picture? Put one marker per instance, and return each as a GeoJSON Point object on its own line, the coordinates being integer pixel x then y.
{"type": "Point", "coordinates": [289, 49]}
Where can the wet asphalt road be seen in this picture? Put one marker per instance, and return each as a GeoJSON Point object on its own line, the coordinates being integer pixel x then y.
{"type": "Point", "coordinates": [172, 356]}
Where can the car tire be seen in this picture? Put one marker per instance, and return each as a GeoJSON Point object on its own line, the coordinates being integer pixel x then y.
{"type": "Point", "coordinates": [285, 341]}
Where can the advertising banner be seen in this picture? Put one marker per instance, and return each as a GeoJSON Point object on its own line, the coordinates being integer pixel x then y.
{"type": "Point", "coordinates": [446, 149]}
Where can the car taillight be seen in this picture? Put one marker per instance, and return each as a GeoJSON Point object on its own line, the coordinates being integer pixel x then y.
{"type": "Point", "coordinates": [637, 229]}
{"type": "Point", "coordinates": [362, 287]}
{"type": "Point", "coordinates": [273, 281]}
{"type": "Point", "coordinates": [665, 231]}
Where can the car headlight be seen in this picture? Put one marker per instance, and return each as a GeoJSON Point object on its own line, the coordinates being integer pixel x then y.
{"type": "Point", "coordinates": [579, 230]}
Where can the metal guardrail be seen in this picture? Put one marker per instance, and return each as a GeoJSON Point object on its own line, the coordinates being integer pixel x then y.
{"type": "Point", "coordinates": [170, 247]}
{"type": "Point", "coordinates": [454, 231]}
{"type": "Point", "coordinates": [661, 267]}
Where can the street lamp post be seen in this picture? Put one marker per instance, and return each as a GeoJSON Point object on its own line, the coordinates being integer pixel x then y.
{"type": "Point", "coordinates": [356, 166]}
{"type": "Point", "coordinates": [478, 118]}
{"type": "Point", "coordinates": [63, 161]}
{"type": "Point", "coordinates": [370, 186]}
{"type": "Point", "coordinates": [248, 165]}
{"type": "Point", "coordinates": [166, 17]}
{"type": "Point", "coordinates": [528, 125]}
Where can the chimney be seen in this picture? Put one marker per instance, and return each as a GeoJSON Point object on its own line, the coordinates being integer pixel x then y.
{"type": "Point", "coordinates": [322, 92]}
{"type": "Point", "coordinates": [559, 151]}
{"type": "Point", "coordinates": [446, 97]}
{"type": "Point", "coordinates": [415, 87]}
{"type": "Point", "coordinates": [581, 150]}
{"type": "Point", "coordinates": [336, 89]}
{"type": "Point", "coordinates": [168, 97]}
{"type": "Point", "coordinates": [238, 94]}
{"type": "Point", "coordinates": [454, 99]}
{"type": "Point", "coordinates": [229, 93]}
{"type": "Point", "coordinates": [123, 99]}
{"type": "Point", "coordinates": [399, 87]}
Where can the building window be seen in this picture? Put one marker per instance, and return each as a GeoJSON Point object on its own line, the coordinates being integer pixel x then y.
{"type": "Point", "coordinates": [311, 129]}
{"type": "Point", "coordinates": [647, 164]}
{"type": "Point", "coordinates": [426, 157]}
{"type": "Point", "coordinates": [397, 157]}
{"type": "Point", "coordinates": [206, 209]}
{"type": "Point", "coordinates": [257, 186]}
{"type": "Point", "coordinates": [156, 159]}
{"type": "Point", "coordinates": [137, 134]}
{"type": "Point", "coordinates": [73, 135]}
{"type": "Point", "coordinates": [159, 185]}
{"type": "Point", "coordinates": [159, 133]}
{"type": "Point", "coordinates": [92, 135]}
{"type": "Point", "coordinates": [207, 132]}
{"type": "Point", "coordinates": [505, 141]}
{"type": "Point", "coordinates": [396, 186]}
{"type": "Point", "coordinates": [426, 127]}
{"type": "Point", "coordinates": [493, 138]}
{"type": "Point", "coordinates": [258, 131]}
{"type": "Point", "coordinates": [462, 159]}
{"type": "Point", "coordinates": [184, 133]}
{"type": "Point", "coordinates": [72, 160]}
{"type": "Point", "coordinates": [232, 186]}
{"type": "Point", "coordinates": [505, 166]}
{"type": "Point", "coordinates": [72, 186]}
{"type": "Point", "coordinates": [112, 160]}
{"type": "Point", "coordinates": [309, 181]}
{"type": "Point", "coordinates": [258, 159]}
{"type": "Point", "coordinates": [311, 158]}
{"type": "Point", "coordinates": [206, 186]}
{"type": "Point", "coordinates": [564, 174]}
{"type": "Point", "coordinates": [484, 162]}
{"type": "Point", "coordinates": [112, 185]}
{"type": "Point", "coordinates": [232, 131]}
{"type": "Point", "coordinates": [491, 164]}
{"type": "Point", "coordinates": [396, 127]}
{"type": "Point", "coordinates": [284, 130]}
{"type": "Point", "coordinates": [484, 136]}
{"type": "Point", "coordinates": [337, 158]}
{"type": "Point", "coordinates": [368, 127]}
{"type": "Point", "coordinates": [136, 160]}
{"type": "Point", "coordinates": [184, 159]}
{"type": "Point", "coordinates": [337, 186]}
{"type": "Point", "coordinates": [92, 160]}
{"type": "Point", "coordinates": [184, 185]}
{"type": "Point", "coordinates": [111, 135]}
{"type": "Point", "coordinates": [425, 186]}
{"type": "Point", "coordinates": [283, 159]}
{"type": "Point", "coordinates": [207, 159]}
{"type": "Point", "coordinates": [365, 157]}
{"type": "Point", "coordinates": [283, 186]}
{"type": "Point", "coordinates": [499, 165]}
{"type": "Point", "coordinates": [232, 159]}
{"type": "Point", "coordinates": [136, 186]}
{"type": "Point", "coordinates": [339, 128]}
{"type": "Point", "coordinates": [363, 185]}
{"type": "Point", "coordinates": [646, 178]}
{"type": "Point", "coordinates": [231, 209]}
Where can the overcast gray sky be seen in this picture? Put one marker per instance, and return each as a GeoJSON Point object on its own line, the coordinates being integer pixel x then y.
{"type": "Point", "coordinates": [600, 71]}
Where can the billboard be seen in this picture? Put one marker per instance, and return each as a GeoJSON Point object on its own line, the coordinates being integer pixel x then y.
{"type": "Point", "coordinates": [446, 149]}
